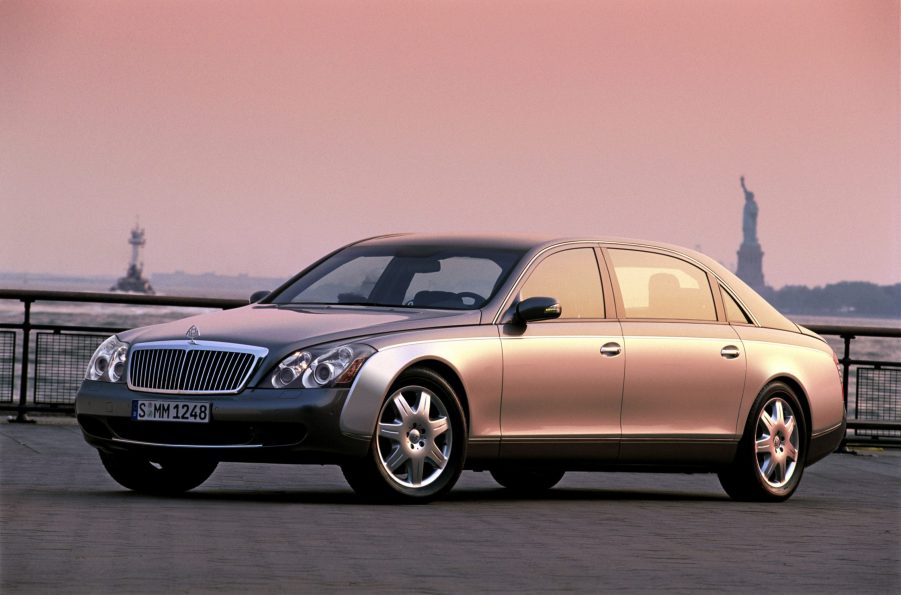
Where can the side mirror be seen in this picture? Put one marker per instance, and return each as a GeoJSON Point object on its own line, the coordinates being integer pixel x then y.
{"type": "Point", "coordinates": [258, 295]}
{"type": "Point", "coordinates": [538, 308]}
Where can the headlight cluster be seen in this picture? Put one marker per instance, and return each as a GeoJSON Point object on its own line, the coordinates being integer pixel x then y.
{"type": "Point", "coordinates": [108, 362]}
{"type": "Point", "coordinates": [320, 368]}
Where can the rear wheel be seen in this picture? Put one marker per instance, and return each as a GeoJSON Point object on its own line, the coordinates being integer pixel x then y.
{"type": "Point", "coordinates": [771, 454]}
{"type": "Point", "coordinates": [160, 476]}
{"type": "Point", "coordinates": [527, 480]}
{"type": "Point", "coordinates": [419, 445]}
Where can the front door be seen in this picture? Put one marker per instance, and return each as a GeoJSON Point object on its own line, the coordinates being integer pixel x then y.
{"type": "Point", "coordinates": [563, 378]}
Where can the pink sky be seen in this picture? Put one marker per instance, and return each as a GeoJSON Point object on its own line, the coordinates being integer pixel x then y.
{"type": "Point", "coordinates": [255, 136]}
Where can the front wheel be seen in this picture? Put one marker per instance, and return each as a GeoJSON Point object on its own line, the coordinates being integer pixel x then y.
{"type": "Point", "coordinates": [771, 454]}
{"type": "Point", "coordinates": [159, 476]}
{"type": "Point", "coordinates": [419, 445]}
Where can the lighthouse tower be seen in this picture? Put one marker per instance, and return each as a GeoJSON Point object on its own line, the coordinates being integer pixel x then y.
{"type": "Point", "coordinates": [134, 281]}
{"type": "Point", "coordinates": [137, 242]}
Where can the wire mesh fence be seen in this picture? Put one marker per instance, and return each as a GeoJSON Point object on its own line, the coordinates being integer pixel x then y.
{"type": "Point", "coordinates": [7, 365]}
{"type": "Point", "coordinates": [878, 398]}
{"type": "Point", "coordinates": [60, 363]}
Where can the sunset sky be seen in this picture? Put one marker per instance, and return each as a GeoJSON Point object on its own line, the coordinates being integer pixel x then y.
{"type": "Point", "coordinates": [252, 137]}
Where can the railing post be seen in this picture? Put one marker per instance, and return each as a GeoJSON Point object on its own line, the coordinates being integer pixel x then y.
{"type": "Point", "coordinates": [846, 367]}
{"type": "Point", "coordinates": [23, 380]}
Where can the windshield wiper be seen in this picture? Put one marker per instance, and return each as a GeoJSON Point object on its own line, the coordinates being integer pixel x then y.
{"type": "Point", "coordinates": [339, 304]}
{"type": "Point", "coordinates": [376, 304]}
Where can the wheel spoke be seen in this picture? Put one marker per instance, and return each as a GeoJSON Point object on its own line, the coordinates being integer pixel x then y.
{"type": "Point", "coordinates": [396, 459]}
{"type": "Point", "coordinates": [391, 431]}
{"type": "Point", "coordinates": [767, 421]}
{"type": "Point", "coordinates": [777, 409]}
{"type": "Point", "coordinates": [791, 453]}
{"type": "Point", "coordinates": [764, 445]}
{"type": "Point", "coordinates": [766, 466]}
{"type": "Point", "coordinates": [437, 456]}
{"type": "Point", "coordinates": [414, 470]}
{"type": "Point", "coordinates": [438, 426]}
{"type": "Point", "coordinates": [425, 404]}
{"type": "Point", "coordinates": [779, 470]}
{"type": "Point", "coordinates": [789, 427]}
{"type": "Point", "coordinates": [403, 408]}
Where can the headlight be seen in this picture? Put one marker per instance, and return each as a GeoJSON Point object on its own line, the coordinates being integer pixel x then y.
{"type": "Point", "coordinates": [320, 368]}
{"type": "Point", "coordinates": [108, 362]}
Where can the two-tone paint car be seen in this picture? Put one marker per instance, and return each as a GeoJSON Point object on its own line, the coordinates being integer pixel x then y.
{"type": "Point", "coordinates": [408, 358]}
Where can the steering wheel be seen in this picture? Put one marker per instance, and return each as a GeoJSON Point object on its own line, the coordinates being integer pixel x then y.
{"type": "Point", "coordinates": [476, 298]}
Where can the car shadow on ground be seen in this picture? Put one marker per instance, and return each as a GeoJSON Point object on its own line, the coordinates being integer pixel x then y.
{"type": "Point", "coordinates": [498, 495]}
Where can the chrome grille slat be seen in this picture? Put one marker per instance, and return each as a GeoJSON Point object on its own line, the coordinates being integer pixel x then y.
{"type": "Point", "coordinates": [215, 362]}
{"type": "Point", "coordinates": [226, 370]}
{"type": "Point", "coordinates": [157, 364]}
{"type": "Point", "coordinates": [183, 367]}
{"type": "Point", "coordinates": [235, 368]}
{"type": "Point", "coordinates": [169, 365]}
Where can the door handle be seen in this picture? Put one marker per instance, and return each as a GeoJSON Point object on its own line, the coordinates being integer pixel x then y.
{"type": "Point", "coordinates": [730, 352]}
{"type": "Point", "coordinates": [611, 349]}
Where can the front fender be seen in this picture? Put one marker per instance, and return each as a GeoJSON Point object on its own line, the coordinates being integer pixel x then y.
{"type": "Point", "coordinates": [476, 361]}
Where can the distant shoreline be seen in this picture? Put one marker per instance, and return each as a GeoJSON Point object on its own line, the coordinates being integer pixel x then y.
{"type": "Point", "coordinates": [846, 299]}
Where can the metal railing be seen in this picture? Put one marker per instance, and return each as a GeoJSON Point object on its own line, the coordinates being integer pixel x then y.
{"type": "Point", "coordinates": [875, 412]}
{"type": "Point", "coordinates": [62, 351]}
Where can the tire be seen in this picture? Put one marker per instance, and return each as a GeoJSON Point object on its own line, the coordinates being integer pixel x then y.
{"type": "Point", "coordinates": [161, 477]}
{"type": "Point", "coordinates": [419, 443]}
{"type": "Point", "coordinates": [773, 449]}
{"type": "Point", "coordinates": [527, 481]}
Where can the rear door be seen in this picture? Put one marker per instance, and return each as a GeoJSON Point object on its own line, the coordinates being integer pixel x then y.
{"type": "Point", "coordinates": [685, 365]}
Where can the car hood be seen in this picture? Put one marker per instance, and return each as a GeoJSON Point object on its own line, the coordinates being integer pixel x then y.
{"type": "Point", "coordinates": [282, 328]}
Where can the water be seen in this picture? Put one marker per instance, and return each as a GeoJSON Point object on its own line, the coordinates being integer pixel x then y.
{"type": "Point", "coordinates": [870, 348]}
{"type": "Point", "coordinates": [87, 314]}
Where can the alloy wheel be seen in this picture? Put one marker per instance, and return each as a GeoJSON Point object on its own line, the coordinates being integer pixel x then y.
{"type": "Point", "coordinates": [777, 443]}
{"type": "Point", "coordinates": [415, 437]}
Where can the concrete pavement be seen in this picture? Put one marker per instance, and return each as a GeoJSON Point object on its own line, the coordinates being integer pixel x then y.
{"type": "Point", "coordinates": [66, 527]}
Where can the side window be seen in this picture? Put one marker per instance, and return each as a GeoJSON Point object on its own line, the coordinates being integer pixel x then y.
{"type": "Point", "coordinates": [734, 313]}
{"type": "Point", "coordinates": [658, 286]}
{"type": "Point", "coordinates": [572, 278]}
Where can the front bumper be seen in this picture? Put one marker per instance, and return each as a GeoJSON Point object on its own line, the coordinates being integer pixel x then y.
{"type": "Point", "coordinates": [262, 425]}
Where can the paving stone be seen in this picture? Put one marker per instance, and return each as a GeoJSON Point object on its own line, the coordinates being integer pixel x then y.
{"type": "Point", "coordinates": [65, 526]}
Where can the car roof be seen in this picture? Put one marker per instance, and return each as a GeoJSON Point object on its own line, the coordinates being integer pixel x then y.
{"type": "Point", "coordinates": [506, 240]}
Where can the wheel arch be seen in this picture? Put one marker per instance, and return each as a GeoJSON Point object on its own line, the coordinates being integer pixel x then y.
{"type": "Point", "coordinates": [381, 372]}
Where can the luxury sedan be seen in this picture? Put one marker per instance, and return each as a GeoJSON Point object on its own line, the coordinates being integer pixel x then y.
{"type": "Point", "coordinates": [406, 359]}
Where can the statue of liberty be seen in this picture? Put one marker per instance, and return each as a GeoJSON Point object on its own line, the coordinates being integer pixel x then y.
{"type": "Point", "coordinates": [749, 221]}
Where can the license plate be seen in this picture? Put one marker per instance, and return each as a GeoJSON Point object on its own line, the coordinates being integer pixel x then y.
{"type": "Point", "coordinates": [183, 411]}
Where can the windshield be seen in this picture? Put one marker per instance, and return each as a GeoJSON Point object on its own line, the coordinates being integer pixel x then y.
{"type": "Point", "coordinates": [444, 277]}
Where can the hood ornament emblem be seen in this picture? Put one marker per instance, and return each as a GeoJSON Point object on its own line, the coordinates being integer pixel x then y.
{"type": "Point", "coordinates": [192, 334]}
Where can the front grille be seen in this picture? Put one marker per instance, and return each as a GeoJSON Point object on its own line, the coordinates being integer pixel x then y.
{"type": "Point", "coordinates": [183, 367]}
